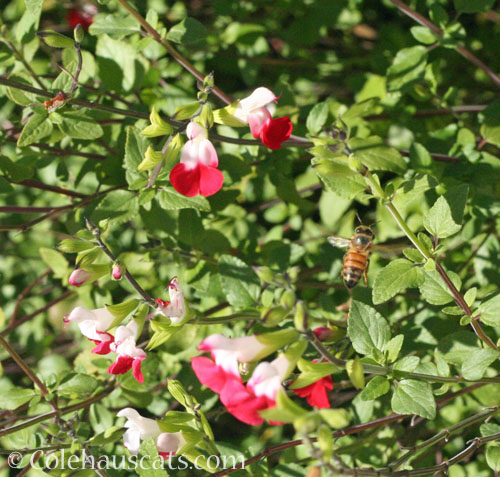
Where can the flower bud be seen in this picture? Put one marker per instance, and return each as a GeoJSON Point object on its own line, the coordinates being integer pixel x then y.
{"type": "Point", "coordinates": [78, 33]}
{"type": "Point", "coordinates": [116, 272]}
{"type": "Point", "coordinates": [323, 333]}
{"type": "Point", "coordinates": [78, 277]}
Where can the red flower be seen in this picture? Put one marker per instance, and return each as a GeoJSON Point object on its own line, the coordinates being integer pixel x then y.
{"type": "Point", "coordinates": [197, 172]}
{"type": "Point", "coordinates": [315, 393]}
{"type": "Point", "coordinates": [275, 131]}
{"type": "Point", "coordinates": [78, 17]}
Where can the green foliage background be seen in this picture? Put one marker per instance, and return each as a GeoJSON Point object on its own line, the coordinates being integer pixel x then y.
{"type": "Point", "coordinates": [423, 127]}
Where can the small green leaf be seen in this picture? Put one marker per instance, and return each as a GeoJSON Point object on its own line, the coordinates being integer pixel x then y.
{"type": "Point", "coordinates": [377, 156]}
{"type": "Point", "coordinates": [187, 31]}
{"type": "Point", "coordinates": [115, 25]}
{"type": "Point", "coordinates": [490, 311]}
{"type": "Point", "coordinates": [239, 282]}
{"type": "Point", "coordinates": [493, 456]}
{"type": "Point", "coordinates": [170, 199]}
{"type": "Point", "coordinates": [355, 372]}
{"type": "Point", "coordinates": [158, 126]}
{"type": "Point", "coordinates": [475, 365]}
{"type": "Point", "coordinates": [470, 296]}
{"type": "Point", "coordinates": [414, 255]}
{"type": "Point", "coordinates": [56, 261]}
{"type": "Point", "coordinates": [78, 384]}
{"type": "Point", "coordinates": [423, 35]}
{"type": "Point", "coordinates": [317, 117]}
{"type": "Point", "coordinates": [419, 156]}
{"type": "Point", "coordinates": [186, 111]}
{"type": "Point", "coordinates": [393, 348]}
{"type": "Point", "coordinates": [414, 397]}
{"type": "Point", "coordinates": [490, 129]}
{"type": "Point", "coordinates": [396, 277]}
{"type": "Point", "coordinates": [367, 329]}
{"type": "Point", "coordinates": [408, 364]}
{"type": "Point", "coordinates": [439, 221]}
{"type": "Point", "coordinates": [226, 116]}
{"type": "Point", "coordinates": [151, 158]}
{"type": "Point", "coordinates": [15, 397]}
{"type": "Point", "coordinates": [285, 410]}
{"type": "Point", "coordinates": [74, 246]}
{"type": "Point", "coordinates": [335, 418]}
{"type": "Point", "coordinates": [37, 127]}
{"type": "Point", "coordinates": [376, 387]}
{"type": "Point", "coordinates": [311, 372]}
{"type": "Point", "coordinates": [407, 68]}
{"type": "Point", "coordinates": [56, 40]}
{"type": "Point", "coordinates": [122, 310]}
{"type": "Point", "coordinates": [79, 126]}
{"type": "Point", "coordinates": [434, 289]}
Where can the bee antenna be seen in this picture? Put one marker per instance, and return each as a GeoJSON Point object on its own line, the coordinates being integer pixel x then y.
{"type": "Point", "coordinates": [359, 219]}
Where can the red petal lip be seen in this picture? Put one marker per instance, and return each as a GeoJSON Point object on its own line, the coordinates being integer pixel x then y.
{"type": "Point", "coordinates": [315, 393]}
{"type": "Point", "coordinates": [204, 180]}
{"type": "Point", "coordinates": [76, 17]}
{"type": "Point", "coordinates": [276, 131]}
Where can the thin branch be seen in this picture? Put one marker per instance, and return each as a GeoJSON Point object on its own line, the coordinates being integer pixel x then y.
{"type": "Point", "coordinates": [20, 57]}
{"type": "Point", "coordinates": [25, 293]}
{"type": "Point", "coordinates": [424, 113]}
{"type": "Point", "coordinates": [42, 186]}
{"type": "Point", "coordinates": [15, 324]}
{"type": "Point", "coordinates": [15, 209]}
{"type": "Point", "coordinates": [467, 54]}
{"type": "Point", "coordinates": [97, 234]}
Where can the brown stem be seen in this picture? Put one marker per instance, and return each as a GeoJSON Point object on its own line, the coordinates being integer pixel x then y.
{"type": "Point", "coordinates": [24, 293]}
{"type": "Point", "coordinates": [460, 301]}
{"type": "Point", "coordinates": [460, 49]}
{"type": "Point", "coordinates": [20, 57]}
{"type": "Point", "coordinates": [42, 186]}
{"type": "Point", "coordinates": [15, 324]}
{"type": "Point", "coordinates": [15, 209]}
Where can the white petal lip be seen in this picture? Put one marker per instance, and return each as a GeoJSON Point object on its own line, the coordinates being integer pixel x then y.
{"type": "Point", "coordinates": [245, 349]}
{"type": "Point", "coordinates": [139, 428]}
{"type": "Point", "coordinates": [196, 131]}
{"type": "Point", "coordinates": [258, 99]}
{"type": "Point", "coordinates": [91, 322]}
{"type": "Point", "coordinates": [170, 441]}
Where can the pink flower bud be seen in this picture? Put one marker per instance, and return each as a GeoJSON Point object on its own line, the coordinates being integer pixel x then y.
{"type": "Point", "coordinates": [78, 277]}
{"type": "Point", "coordinates": [323, 333]}
{"type": "Point", "coordinates": [117, 272]}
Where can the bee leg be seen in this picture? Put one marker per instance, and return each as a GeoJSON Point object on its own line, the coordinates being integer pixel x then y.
{"type": "Point", "coordinates": [366, 272]}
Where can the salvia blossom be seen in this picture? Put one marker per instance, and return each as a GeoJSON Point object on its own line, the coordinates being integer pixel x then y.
{"type": "Point", "coordinates": [82, 17]}
{"type": "Point", "coordinates": [315, 393]}
{"type": "Point", "coordinates": [140, 428]}
{"type": "Point", "coordinates": [175, 309]}
{"type": "Point", "coordinates": [257, 110]}
{"type": "Point", "coordinates": [222, 375]}
{"type": "Point", "coordinates": [78, 277]}
{"type": "Point", "coordinates": [93, 324]}
{"type": "Point", "coordinates": [129, 355]}
{"type": "Point", "coordinates": [323, 333]}
{"type": "Point", "coordinates": [197, 171]}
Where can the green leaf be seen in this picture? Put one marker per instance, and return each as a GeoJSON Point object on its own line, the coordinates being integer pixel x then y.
{"type": "Point", "coordinates": [170, 199]}
{"type": "Point", "coordinates": [414, 397]}
{"type": "Point", "coordinates": [439, 220]}
{"type": "Point", "coordinates": [285, 410]}
{"type": "Point", "coordinates": [115, 25]}
{"type": "Point", "coordinates": [135, 149]}
{"type": "Point", "coordinates": [14, 171]}
{"type": "Point", "coordinates": [317, 117]}
{"type": "Point", "coordinates": [79, 384]}
{"type": "Point", "coordinates": [473, 6]}
{"type": "Point", "coordinates": [56, 40]}
{"type": "Point", "coordinates": [311, 372]}
{"type": "Point", "coordinates": [225, 116]}
{"type": "Point", "coordinates": [490, 129]}
{"type": "Point", "coordinates": [122, 310]}
{"type": "Point", "coordinates": [112, 434]}
{"type": "Point", "coordinates": [186, 111]}
{"type": "Point", "coordinates": [407, 68]}
{"type": "Point", "coordinates": [475, 365]}
{"type": "Point", "coordinates": [493, 457]}
{"type": "Point", "coordinates": [408, 364]}
{"type": "Point", "coordinates": [79, 126]}
{"type": "Point", "coordinates": [435, 291]}
{"type": "Point", "coordinates": [187, 31]}
{"type": "Point", "coordinates": [56, 261]}
{"type": "Point", "coordinates": [151, 158]}
{"type": "Point", "coordinates": [15, 397]}
{"type": "Point", "coordinates": [490, 311]}
{"type": "Point", "coordinates": [74, 246]}
{"type": "Point", "coordinates": [367, 329]}
{"type": "Point", "coordinates": [338, 177]}
{"type": "Point", "coordinates": [355, 372]}
{"type": "Point", "coordinates": [117, 206]}
{"type": "Point", "coordinates": [239, 282]}
{"type": "Point", "coordinates": [423, 35]}
{"type": "Point", "coordinates": [158, 126]}
{"type": "Point", "coordinates": [37, 127]}
{"type": "Point", "coordinates": [393, 348]}
{"type": "Point", "coordinates": [419, 156]}
{"type": "Point", "coordinates": [396, 277]}
{"type": "Point", "coordinates": [376, 156]}
{"type": "Point", "coordinates": [335, 418]}
{"type": "Point", "coordinates": [376, 387]}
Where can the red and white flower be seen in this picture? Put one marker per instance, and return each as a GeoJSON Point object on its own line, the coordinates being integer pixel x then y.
{"type": "Point", "coordinates": [140, 428]}
{"type": "Point", "coordinates": [197, 172]}
{"type": "Point", "coordinates": [175, 309]}
{"type": "Point", "coordinates": [257, 111]}
{"type": "Point", "coordinates": [78, 277]}
{"type": "Point", "coordinates": [93, 324]}
{"type": "Point", "coordinates": [129, 355]}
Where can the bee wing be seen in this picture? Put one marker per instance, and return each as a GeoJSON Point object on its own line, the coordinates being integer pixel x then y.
{"type": "Point", "coordinates": [340, 242]}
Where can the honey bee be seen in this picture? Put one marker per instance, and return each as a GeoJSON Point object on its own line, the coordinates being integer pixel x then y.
{"type": "Point", "coordinates": [357, 257]}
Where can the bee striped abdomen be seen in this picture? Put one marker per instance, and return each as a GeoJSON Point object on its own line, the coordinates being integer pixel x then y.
{"type": "Point", "coordinates": [354, 267]}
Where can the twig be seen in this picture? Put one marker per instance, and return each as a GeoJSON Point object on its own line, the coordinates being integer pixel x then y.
{"type": "Point", "coordinates": [97, 235]}
{"type": "Point", "coordinates": [42, 186]}
{"type": "Point", "coordinates": [20, 57]}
